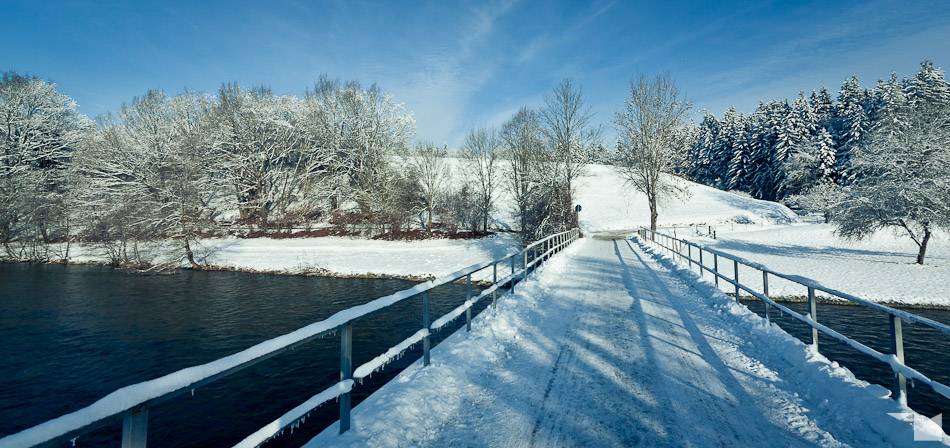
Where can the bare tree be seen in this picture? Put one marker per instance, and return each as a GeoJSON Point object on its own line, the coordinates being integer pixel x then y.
{"type": "Point", "coordinates": [648, 125]}
{"type": "Point", "coordinates": [570, 136]}
{"type": "Point", "coordinates": [481, 153]}
{"type": "Point", "coordinates": [524, 151]}
{"type": "Point", "coordinates": [430, 164]}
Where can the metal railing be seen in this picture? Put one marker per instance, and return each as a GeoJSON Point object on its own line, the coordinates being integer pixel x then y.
{"type": "Point", "coordinates": [131, 403]}
{"type": "Point", "coordinates": [684, 250]}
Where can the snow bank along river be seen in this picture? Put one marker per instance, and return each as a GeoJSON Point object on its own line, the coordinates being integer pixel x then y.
{"type": "Point", "coordinates": [70, 335]}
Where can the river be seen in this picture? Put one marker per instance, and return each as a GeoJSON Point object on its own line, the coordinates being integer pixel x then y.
{"type": "Point", "coordinates": [70, 335]}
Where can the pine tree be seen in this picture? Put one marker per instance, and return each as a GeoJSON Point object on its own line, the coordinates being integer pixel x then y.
{"type": "Point", "coordinates": [705, 145]}
{"type": "Point", "coordinates": [825, 149]}
{"type": "Point", "coordinates": [854, 125]}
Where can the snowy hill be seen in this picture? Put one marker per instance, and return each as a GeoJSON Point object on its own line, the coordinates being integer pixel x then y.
{"type": "Point", "coordinates": [608, 204]}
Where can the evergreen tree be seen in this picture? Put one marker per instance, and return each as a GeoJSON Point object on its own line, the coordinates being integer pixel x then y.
{"type": "Point", "coordinates": [704, 148]}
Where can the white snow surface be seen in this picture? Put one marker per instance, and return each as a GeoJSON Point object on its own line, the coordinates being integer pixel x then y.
{"type": "Point", "coordinates": [880, 269]}
{"type": "Point", "coordinates": [608, 203]}
{"type": "Point", "coordinates": [605, 347]}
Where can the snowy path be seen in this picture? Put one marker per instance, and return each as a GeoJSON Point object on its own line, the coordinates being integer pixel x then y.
{"type": "Point", "coordinates": [605, 348]}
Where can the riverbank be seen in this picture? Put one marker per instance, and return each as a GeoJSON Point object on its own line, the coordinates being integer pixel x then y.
{"type": "Point", "coordinates": [341, 257]}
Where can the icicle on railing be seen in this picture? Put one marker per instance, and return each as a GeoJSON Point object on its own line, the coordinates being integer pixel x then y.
{"type": "Point", "coordinates": [292, 417]}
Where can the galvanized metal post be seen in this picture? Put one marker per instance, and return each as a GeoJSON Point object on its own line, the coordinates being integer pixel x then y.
{"type": "Point", "coordinates": [716, 267]}
{"type": "Point", "coordinates": [813, 311]}
{"type": "Point", "coordinates": [468, 296]}
{"type": "Point", "coordinates": [765, 292]}
{"type": "Point", "coordinates": [135, 429]}
{"type": "Point", "coordinates": [735, 268]}
{"type": "Point", "coordinates": [525, 264]}
{"type": "Point", "coordinates": [897, 347]}
{"type": "Point", "coordinates": [425, 326]}
{"type": "Point", "coordinates": [702, 267]}
{"type": "Point", "coordinates": [494, 282]}
{"type": "Point", "coordinates": [346, 373]}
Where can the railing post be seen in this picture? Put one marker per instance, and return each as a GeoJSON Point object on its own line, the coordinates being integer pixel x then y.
{"type": "Point", "coordinates": [689, 250]}
{"type": "Point", "coordinates": [735, 268]}
{"type": "Point", "coordinates": [494, 282]}
{"type": "Point", "coordinates": [468, 296]}
{"type": "Point", "coordinates": [346, 373]}
{"type": "Point", "coordinates": [512, 281]}
{"type": "Point", "coordinates": [702, 267]}
{"type": "Point", "coordinates": [765, 292]}
{"type": "Point", "coordinates": [525, 264]}
{"type": "Point", "coordinates": [813, 311]}
{"type": "Point", "coordinates": [897, 347]}
{"type": "Point", "coordinates": [135, 429]}
{"type": "Point", "coordinates": [716, 267]}
{"type": "Point", "coordinates": [425, 326]}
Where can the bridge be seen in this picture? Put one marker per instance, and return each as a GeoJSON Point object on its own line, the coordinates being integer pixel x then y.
{"type": "Point", "coordinates": [595, 342]}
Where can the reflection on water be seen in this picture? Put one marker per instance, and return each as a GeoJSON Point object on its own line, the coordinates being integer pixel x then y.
{"type": "Point", "coordinates": [70, 335]}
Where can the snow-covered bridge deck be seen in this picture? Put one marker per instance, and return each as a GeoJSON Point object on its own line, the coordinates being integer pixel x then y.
{"type": "Point", "coordinates": [607, 348]}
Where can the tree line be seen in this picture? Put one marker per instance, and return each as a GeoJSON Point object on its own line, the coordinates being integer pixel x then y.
{"type": "Point", "coordinates": [869, 159]}
{"type": "Point", "coordinates": [174, 168]}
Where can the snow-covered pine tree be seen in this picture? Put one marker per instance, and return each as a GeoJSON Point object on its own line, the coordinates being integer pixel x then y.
{"type": "Point", "coordinates": [825, 150]}
{"type": "Point", "coordinates": [823, 106]}
{"type": "Point", "coordinates": [890, 105]}
{"type": "Point", "coordinates": [853, 125]}
{"type": "Point", "coordinates": [734, 133]}
{"type": "Point", "coordinates": [704, 149]}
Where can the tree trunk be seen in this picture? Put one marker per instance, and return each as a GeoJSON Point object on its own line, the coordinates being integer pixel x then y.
{"type": "Point", "coordinates": [191, 255]}
{"type": "Point", "coordinates": [653, 214]}
{"type": "Point", "coordinates": [923, 247]}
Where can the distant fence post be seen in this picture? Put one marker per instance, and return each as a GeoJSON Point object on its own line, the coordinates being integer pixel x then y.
{"type": "Point", "coordinates": [346, 373]}
{"type": "Point", "coordinates": [897, 347]}
{"type": "Point", "coordinates": [765, 292]}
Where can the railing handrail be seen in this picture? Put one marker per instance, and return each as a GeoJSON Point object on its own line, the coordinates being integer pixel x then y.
{"type": "Point", "coordinates": [895, 360]}
{"type": "Point", "coordinates": [130, 399]}
{"type": "Point", "coordinates": [811, 283]}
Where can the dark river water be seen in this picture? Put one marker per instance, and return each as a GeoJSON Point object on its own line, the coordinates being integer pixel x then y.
{"type": "Point", "coordinates": [925, 349]}
{"type": "Point", "coordinates": [70, 335]}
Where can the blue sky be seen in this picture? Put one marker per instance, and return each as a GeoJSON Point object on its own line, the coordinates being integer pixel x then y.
{"type": "Point", "coordinates": [459, 65]}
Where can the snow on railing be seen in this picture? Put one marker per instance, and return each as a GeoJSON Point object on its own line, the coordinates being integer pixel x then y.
{"type": "Point", "coordinates": [131, 403]}
{"type": "Point", "coordinates": [895, 360]}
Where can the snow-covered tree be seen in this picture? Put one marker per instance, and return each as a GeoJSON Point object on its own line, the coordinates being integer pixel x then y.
{"type": "Point", "coordinates": [647, 125]}
{"type": "Point", "coordinates": [524, 159]}
{"type": "Point", "coordinates": [39, 130]}
{"type": "Point", "coordinates": [430, 164]}
{"type": "Point", "coordinates": [902, 176]}
{"type": "Point", "coordinates": [481, 154]}
{"type": "Point", "coordinates": [570, 137]}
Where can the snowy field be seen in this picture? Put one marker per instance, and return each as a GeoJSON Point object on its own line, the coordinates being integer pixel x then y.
{"type": "Point", "coordinates": [607, 348]}
{"type": "Point", "coordinates": [882, 268]}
